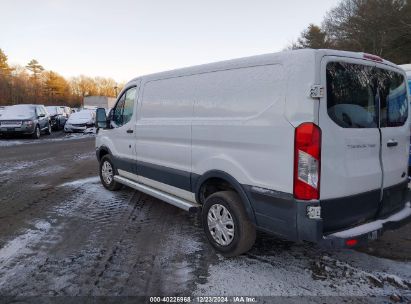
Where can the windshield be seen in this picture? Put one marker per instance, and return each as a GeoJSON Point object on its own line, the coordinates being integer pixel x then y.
{"type": "Point", "coordinates": [82, 115]}
{"type": "Point", "coordinates": [52, 110]}
{"type": "Point", "coordinates": [18, 111]}
{"type": "Point", "coordinates": [360, 96]}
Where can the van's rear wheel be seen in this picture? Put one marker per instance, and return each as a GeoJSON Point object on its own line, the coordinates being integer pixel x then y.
{"type": "Point", "coordinates": [226, 224]}
{"type": "Point", "coordinates": [107, 172]}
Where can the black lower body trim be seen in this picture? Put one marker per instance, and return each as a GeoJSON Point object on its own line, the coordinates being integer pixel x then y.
{"type": "Point", "coordinates": [173, 177]}
{"type": "Point", "coordinates": [344, 212]}
{"type": "Point", "coordinates": [340, 213]}
{"type": "Point", "coordinates": [275, 212]}
{"type": "Point", "coordinates": [393, 199]}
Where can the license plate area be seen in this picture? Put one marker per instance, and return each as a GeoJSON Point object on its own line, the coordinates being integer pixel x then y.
{"type": "Point", "coordinates": [373, 235]}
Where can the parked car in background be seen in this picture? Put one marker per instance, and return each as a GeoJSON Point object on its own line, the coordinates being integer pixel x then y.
{"type": "Point", "coordinates": [57, 117]}
{"type": "Point", "coordinates": [2, 108]}
{"type": "Point", "coordinates": [80, 121]}
{"type": "Point", "coordinates": [67, 111]}
{"type": "Point", "coordinates": [25, 119]}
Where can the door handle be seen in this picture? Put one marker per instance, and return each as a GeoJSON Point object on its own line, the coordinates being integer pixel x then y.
{"type": "Point", "coordinates": [130, 131]}
{"type": "Point", "coordinates": [392, 143]}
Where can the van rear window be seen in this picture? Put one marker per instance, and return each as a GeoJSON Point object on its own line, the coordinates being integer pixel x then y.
{"type": "Point", "coordinates": [360, 96]}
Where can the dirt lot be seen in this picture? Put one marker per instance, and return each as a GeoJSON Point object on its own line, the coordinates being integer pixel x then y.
{"type": "Point", "coordinates": [63, 234]}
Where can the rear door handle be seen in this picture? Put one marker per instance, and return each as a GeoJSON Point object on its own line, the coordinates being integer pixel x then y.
{"type": "Point", "coordinates": [392, 143]}
{"type": "Point", "coordinates": [130, 131]}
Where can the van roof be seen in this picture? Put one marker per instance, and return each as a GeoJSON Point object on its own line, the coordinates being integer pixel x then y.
{"type": "Point", "coordinates": [290, 57]}
{"type": "Point", "coordinates": [406, 67]}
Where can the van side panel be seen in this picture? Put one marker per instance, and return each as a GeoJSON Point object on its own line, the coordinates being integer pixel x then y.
{"type": "Point", "coordinates": [164, 132]}
{"type": "Point", "coordinates": [302, 74]}
{"type": "Point", "coordinates": [239, 126]}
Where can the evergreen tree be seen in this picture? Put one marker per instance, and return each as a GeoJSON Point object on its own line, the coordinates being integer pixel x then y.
{"type": "Point", "coordinates": [35, 68]}
{"type": "Point", "coordinates": [5, 69]}
{"type": "Point", "coordinates": [314, 38]}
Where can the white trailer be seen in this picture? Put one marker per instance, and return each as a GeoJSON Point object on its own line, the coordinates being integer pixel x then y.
{"type": "Point", "coordinates": [94, 102]}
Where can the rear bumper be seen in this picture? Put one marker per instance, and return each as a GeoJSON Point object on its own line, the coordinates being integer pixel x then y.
{"type": "Point", "coordinates": [280, 214]}
{"type": "Point", "coordinates": [369, 231]}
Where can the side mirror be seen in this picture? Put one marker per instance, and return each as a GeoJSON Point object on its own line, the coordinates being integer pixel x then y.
{"type": "Point", "coordinates": [42, 115]}
{"type": "Point", "coordinates": [101, 118]}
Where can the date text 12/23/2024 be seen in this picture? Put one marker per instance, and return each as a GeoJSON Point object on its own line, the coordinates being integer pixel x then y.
{"type": "Point", "coordinates": [234, 299]}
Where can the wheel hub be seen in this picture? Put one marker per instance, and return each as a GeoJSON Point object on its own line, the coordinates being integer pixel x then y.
{"type": "Point", "coordinates": [220, 224]}
{"type": "Point", "coordinates": [107, 172]}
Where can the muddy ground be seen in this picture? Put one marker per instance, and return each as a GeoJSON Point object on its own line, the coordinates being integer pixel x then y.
{"type": "Point", "coordinates": [63, 234]}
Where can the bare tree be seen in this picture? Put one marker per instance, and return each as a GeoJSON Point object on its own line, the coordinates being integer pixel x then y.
{"type": "Point", "coordinates": [380, 27]}
{"type": "Point", "coordinates": [313, 37]}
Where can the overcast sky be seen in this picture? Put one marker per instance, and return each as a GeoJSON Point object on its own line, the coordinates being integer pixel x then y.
{"type": "Point", "coordinates": [127, 38]}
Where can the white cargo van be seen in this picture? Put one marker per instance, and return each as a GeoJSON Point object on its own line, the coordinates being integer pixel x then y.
{"type": "Point", "coordinates": [309, 145]}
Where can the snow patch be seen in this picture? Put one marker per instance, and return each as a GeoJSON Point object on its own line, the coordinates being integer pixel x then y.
{"type": "Point", "coordinates": [81, 182]}
{"type": "Point", "coordinates": [20, 245]}
{"type": "Point", "coordinates": [72, 136]}
{"type": "Point", "coordinates": [8, 168]}
{"type": "Point", "coordinates": [304, 270]}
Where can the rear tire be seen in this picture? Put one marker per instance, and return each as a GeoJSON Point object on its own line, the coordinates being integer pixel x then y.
{"type": "Point", "coordinates": [37, 132]}
{"type": "Point", "coordinates": [107, 172]}
{"type": "Point", "coordinates": [227, 225]}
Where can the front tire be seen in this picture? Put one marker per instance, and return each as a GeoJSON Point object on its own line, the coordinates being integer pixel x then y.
{"type": "Point", "coordinates": [227, 225]}
{"type": "Point", "coordinates": [37, 132]}
{"type": "Point", "coordinates": [107, 172]}
{"type": "Point", "coordinates": [48, 131]}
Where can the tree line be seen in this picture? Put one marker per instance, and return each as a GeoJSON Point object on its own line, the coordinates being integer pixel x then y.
{"type": "Point", "coordinates": [379, 27]}
{"type": "Point", "coordinates": [34, 84]}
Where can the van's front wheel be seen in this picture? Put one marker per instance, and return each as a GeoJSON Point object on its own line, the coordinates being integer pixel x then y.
{"type": "Point", "coordinates": [226, 224]}
{"type": "Point", "coordinates": [107, 172]}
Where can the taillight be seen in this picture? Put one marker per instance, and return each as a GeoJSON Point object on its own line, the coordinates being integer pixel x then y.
{"type": "Point", "coordinates": [307, 160]}
{"type": "Point", "coordinates": [351, 242]}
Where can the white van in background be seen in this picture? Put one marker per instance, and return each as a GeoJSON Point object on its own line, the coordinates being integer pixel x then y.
{"type": "Point", "coordinates": [309, 145]}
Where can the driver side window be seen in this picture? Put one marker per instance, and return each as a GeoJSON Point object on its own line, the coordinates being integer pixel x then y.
{"type": "Point", "coordinates": [39, 111]}
{"type": "Point", "coordinates": [118, 112]}
{"type": "Point", "coordinates": [123, 111]}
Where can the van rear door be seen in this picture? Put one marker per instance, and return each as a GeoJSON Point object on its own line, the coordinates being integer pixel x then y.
{"type": "Point", "coordinates": [395, 135]}
{"type": "Point", "coordinates": [365, 141]}
{"type": "Point", "coordinates": [351, 172]}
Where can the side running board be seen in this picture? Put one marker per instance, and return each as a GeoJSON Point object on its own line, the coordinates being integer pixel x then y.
{"type": "Point", "coordinates": [166, 197]}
